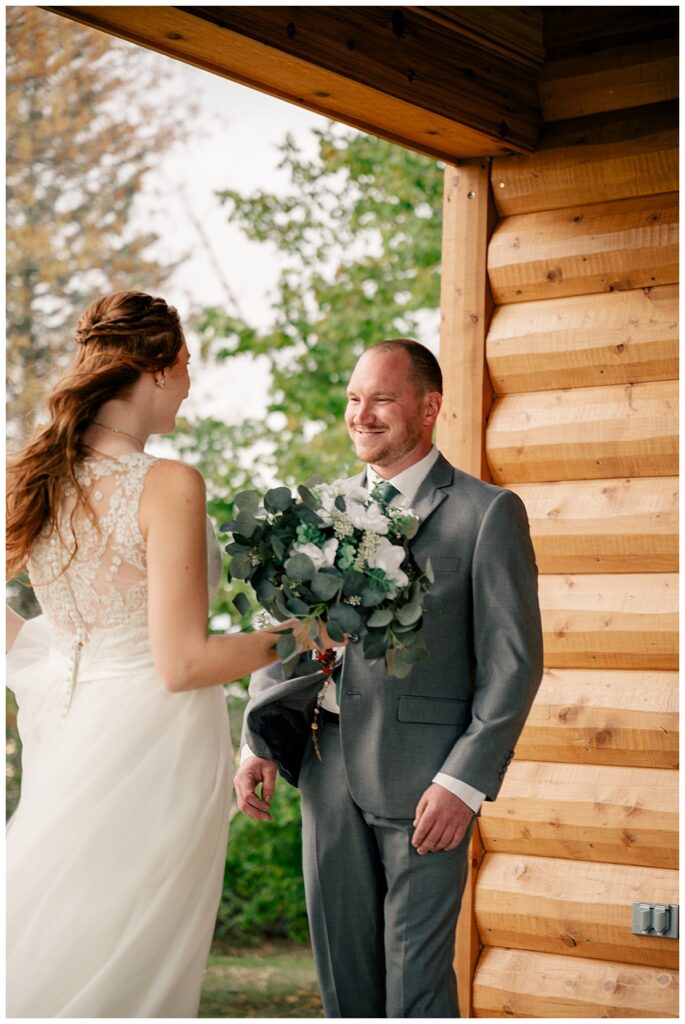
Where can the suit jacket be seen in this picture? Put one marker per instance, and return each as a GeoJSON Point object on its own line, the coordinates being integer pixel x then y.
{"type": "Point", "coordinates": [459, 711]}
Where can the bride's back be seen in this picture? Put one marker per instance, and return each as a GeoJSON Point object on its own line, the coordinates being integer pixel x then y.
{"type": "Point", "coordinates": [89, 573]}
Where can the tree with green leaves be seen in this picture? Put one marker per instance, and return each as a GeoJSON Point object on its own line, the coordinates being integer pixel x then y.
{"type": "Point", "coordinates": [84, 126]}
{"type": "Point", "coordinates": [359, 229]}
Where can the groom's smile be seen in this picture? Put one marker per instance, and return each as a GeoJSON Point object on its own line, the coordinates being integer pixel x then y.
{"type": "Point", "coordinates": [389, 419]}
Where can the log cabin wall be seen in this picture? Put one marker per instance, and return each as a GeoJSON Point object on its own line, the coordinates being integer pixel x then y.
{"type": "Point", "coordinates": [581, 353]}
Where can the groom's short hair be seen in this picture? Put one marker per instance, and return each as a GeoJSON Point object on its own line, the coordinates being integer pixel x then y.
{"type": "Point", "coordinates": [426, 368]}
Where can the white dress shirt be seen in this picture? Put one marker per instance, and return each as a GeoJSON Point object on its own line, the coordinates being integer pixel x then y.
{"type": "Point", "coordinates": [407, 483]}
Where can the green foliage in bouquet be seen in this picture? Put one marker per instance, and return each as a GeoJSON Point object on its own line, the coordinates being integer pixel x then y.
{"type": "Point", "coordinates": [336, 556]}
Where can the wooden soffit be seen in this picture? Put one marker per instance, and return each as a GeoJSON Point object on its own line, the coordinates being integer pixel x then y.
{"type": "Point", "coordinates": [448, 81]}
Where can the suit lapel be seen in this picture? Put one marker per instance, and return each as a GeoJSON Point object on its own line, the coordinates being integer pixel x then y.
{"type": "Point", "coordinates": [433, 490]}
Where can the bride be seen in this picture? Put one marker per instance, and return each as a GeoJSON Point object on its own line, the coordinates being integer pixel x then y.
{"type": "Point", "coordinates": [115, 855]}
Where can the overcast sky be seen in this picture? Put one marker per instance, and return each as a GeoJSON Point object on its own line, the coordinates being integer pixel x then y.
{"type": "Point", "coordinates": [240, 129]}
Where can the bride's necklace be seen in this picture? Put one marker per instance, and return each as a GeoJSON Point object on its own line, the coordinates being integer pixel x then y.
{"type": "Point", "coordinates": [117, 430]}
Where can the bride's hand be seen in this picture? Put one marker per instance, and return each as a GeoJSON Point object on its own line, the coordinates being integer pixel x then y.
{"type": "Point", "coordinates": [300, 630]}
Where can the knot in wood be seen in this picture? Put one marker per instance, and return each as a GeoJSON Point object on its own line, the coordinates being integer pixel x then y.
{"type": "Point", "coordinates": [291, 30]}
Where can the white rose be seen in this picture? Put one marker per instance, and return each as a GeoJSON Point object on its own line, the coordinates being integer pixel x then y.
{"type": "Point", "coordinates": [321, 557]}
{"type": "Point", "coordinates": [389, 557]}
{"type": "Point", "coordinates": [371, 518]}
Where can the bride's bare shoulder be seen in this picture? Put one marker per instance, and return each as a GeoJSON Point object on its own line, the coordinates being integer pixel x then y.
{"type": "Point", "coordinates": [171, 481]}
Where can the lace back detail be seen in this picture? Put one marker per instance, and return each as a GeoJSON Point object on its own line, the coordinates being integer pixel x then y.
{"type": "Point", "coordinates": [103, 587]}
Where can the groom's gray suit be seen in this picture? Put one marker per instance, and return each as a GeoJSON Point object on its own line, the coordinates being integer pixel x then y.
{"type": "Point", "coordinates": [383, 917]}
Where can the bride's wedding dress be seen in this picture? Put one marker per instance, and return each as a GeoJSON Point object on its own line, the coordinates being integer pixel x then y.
{"type": "Point", "coordinates": [115, 855]}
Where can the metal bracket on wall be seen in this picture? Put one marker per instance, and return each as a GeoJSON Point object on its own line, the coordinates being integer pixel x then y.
{"type": "Point", "coordinates": [657, 919]}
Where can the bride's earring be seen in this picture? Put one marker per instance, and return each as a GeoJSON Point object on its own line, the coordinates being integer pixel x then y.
{"type": "Point", "coordinates": [161, 383]}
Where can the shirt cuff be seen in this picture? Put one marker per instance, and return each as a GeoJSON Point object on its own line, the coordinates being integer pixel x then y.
{"type": "Point", "coordinates": [473, 798]}
{"type": "Point", "coordinates": [245, 752]}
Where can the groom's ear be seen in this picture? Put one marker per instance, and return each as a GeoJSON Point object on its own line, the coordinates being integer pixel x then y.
{"type": "Point", "coordinates": [433, 403]}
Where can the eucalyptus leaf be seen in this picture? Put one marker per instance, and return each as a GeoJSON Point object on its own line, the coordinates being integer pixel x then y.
{"type": "Point", "coordinates": [340, 503]}
{"type": "Point", "coordinates": [246, 524]}
{"type": "Point", "coordinates": [300, 567]}
{"type": "Point", "coordinates": [428, 571]}
{"type": "Point", "coordinates": [415, 653]}
{"type": "Point", "coordinates": [308, 497]}
{"type": "Point", "coordinates": [241, 567]}
{"type": "Point", "coordinates": [297, 607]}
{"type": "Point", "coordinates": [325, 586]}
{"type": "Point", "coordinates": [381, 617]}
{"type": "Point", "coordinates": [265, 591]}
{"type": "Point", "coordinates": [346, 617]}
{"type": "Point", "coordinates": [396, 664]}
{"type": "Point", "coordinates": [278, 499]}
{"type": "Point", "coordinates": [247, 501]}
{"type": "Point", "coordinates": [409, 613]}
{"type": "Point", "coordinates": [335, 631]}
{"type": "Point", "coordinates": [286, 646]}
{"type": "Point", "coordinates": [241, 603]}
{"type": "Point", "coordinates": [354, 584]}
{"type": "Point", "coordinates": [375, 645]}
{"type": "Point", "coordinates": [372, 597]}
{"type": "Point", "coordinates": [278, 546]}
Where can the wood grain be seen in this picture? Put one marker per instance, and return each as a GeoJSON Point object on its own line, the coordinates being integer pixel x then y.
{"type": "Point", "coordinates": [574, 908]}
{"type": "Point", "coordinates": [596, 159]}
{"type": "Point", "coordinates": [521, 983]}
{"type": "Point", "coordinates": [366, 67]}
{"type": "Point", "coordinates": [465, 306]}
{"type": "Point", "coordinates": [590, 526]}
{"type": "Point", "coordinates": [594, 812]}
{"type": "Point", "coordinates": [468, 944]}
{"type": "Point", "coordinates": [584, 433]}
{"type": "Point", "coordinates": [608, 80]}
{"type": "Point", "coordinates": [610, 621]}
{"type": "Point", "coordinates": [591, 716]}
{"type": "Point", "coordinates": [610, 338]}
{"type": "Point", "coordinates": [601, 247]}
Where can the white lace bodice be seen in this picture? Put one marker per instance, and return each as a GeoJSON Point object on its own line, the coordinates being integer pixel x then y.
{"type": "Point", "coordinates": [102, 592]}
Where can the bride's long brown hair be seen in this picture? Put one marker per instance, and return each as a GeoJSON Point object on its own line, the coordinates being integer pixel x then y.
{"type": "Point", "coordinates": [119, 337]}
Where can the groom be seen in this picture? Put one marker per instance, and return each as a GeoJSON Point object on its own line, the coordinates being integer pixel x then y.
{"type": "Point", "coordinates": [388, 808]}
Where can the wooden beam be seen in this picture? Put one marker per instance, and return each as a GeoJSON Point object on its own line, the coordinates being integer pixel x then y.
{"type": "Point", "coordinates": [599, 158]}
{"type": "Point", "coordinates": [613, 621]}
{"type": "Point", "coordinates": [521, 983]}
{"type": "Point", "coordinates": [385, 71]}
{"type": "Point", "coordinates": [591, 716]}
{"type": "Point", "coordinates": [585, 433]}
{"type": "Point", "coordinates": [571, 30]}
{"type": "Point", "coordinates": [468, 944]}
{"type": "Point", "coordinates": [575, 908]}
{"type": "Point", "coordinates": [609, 338]}
{"type": "Point", "coordinates": [585, 526]}
{"type": "Point", "coordinates": [592, 812]}
{"type": "Point", "coordinates": [602, 247]}
{"type": "Point", "coordinates": [465, 310]}
{"type": "Point", "coordinates": [591, 83]}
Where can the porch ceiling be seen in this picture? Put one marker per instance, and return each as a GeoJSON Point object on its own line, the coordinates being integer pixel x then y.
{"type": "Point", "coordinates": [452, 82]}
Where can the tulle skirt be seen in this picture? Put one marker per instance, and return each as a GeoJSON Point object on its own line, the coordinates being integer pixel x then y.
{"type": "Point", "coordinates": [116, 853]}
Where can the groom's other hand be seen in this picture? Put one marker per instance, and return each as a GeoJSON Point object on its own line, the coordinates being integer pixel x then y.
{"type": "Point", "coordinates": [252, 772]}
{"type": "Point", "coordinates": [441, 820]}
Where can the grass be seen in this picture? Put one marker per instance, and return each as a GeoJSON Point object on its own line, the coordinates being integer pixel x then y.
{"type": "Point", "coordinates": [276, 980]}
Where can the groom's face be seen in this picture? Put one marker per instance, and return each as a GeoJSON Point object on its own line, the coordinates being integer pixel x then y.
{"type": "Point", "coordinates": [389, 418]}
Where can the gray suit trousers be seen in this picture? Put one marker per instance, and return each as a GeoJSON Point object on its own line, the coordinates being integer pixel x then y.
{"type": "Point", "coordinates": [382, 929]}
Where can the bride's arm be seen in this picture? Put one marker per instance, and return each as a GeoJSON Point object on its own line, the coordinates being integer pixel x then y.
{"type": "Point", "coordinates": [172, 518]}
{"type": "Point", "coordinates": [13, 623]}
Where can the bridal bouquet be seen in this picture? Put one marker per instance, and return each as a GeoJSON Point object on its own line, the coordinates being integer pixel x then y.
{"type": "Point", "coordinates": [333, 555]}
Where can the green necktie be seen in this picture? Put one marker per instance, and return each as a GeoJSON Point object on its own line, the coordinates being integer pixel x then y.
{"type": "Point", "coordinates": [384, 492]}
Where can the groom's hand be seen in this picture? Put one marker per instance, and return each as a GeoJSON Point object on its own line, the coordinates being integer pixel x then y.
{"type": "Point", "coordinates": [441, 820]}
{"type": "Point", "coordinates": [252, 772]}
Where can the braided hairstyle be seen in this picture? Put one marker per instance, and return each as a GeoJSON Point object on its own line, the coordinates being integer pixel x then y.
{"type": "Point", "coordinates": [120, 337]}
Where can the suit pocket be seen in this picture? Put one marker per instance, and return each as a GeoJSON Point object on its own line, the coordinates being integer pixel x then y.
{"type": "Point", "coordinates": [432, 711]}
